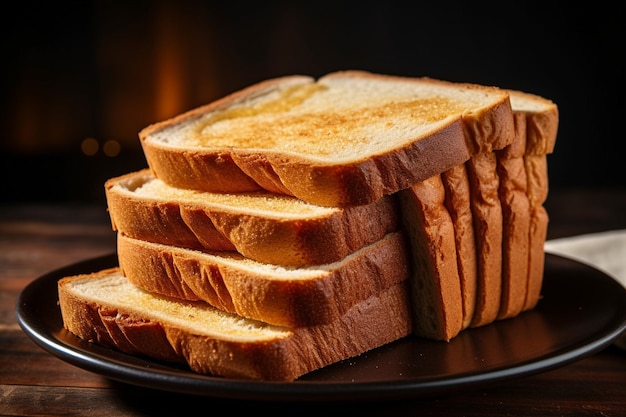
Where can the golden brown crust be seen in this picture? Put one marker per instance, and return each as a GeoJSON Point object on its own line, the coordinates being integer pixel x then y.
{"type": "Point", "coordinates": [340, 185]}
{"type": "Point", "coordinates": [376, 321]}
{"type": "Point", "coordinates": [362, 180]}
{"type": "Point", "coordinates": [435, 284]}
{"type": "Point", "coordinates": [231, 283]}
{"type": "Point", "coordinates": [542, 132]}
{"type": "Point", "coordinates": [191, 169]}
{"type": "Point", "coordinates": [537, 174]}
{"type": "Point", "coordinates": [487, 215]}
{"type": "Point", "coordinates": [489, 131]}
{"type": "Point", "coordinates": [473, 255]}
{"type": "Point", "coordinates": [274, 239]}
{"type": "Point", "coordinates": [457, 201]}
{"type": "Point", "coordinates": [542, 121]}
{"type": "Point", "coordinates": [515, 222]}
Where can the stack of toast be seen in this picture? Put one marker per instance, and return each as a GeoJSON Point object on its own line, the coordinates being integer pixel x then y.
{"type": "Point", "coordinates": [300, 222]}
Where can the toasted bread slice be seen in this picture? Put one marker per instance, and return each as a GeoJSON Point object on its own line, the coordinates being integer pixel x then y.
{"type": "Point", "coordinates": [513, 215]}
{"type": "Point", "coordinates": [435, 284]}
{"type": "Point", "coordinates": [541, 118]}
{"type": "Point", "coordinates": [537, 173]}
{"type": "Point", "coordinates": [487, 215]}
{"type": "Point", "coordinates": [105, 308]}
{"type": "Point", "coordinates": [542, 121]}
{"type": "Point", "coordinates": [286, 296]}
{"type": "Point", "coordinates": [515, 222]}
{"type": "Point", "coordinates": [457, 201]}
{"type": "Point", "coordinates": [346, 139]}
{"type": "Point", "coordinates": [263, 226]}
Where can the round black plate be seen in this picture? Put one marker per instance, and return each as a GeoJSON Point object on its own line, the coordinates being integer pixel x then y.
{"type": "Point", "coordinates": [582, 311]}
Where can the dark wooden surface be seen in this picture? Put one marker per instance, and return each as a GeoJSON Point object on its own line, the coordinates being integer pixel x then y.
{"type": "Point", "coordinates": [36, 239]}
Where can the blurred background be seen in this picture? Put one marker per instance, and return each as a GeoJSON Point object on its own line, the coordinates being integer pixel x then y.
{"type": "Point", "coordinates": [81, 78]}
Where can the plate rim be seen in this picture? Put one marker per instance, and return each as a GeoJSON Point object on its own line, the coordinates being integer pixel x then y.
{"type": "Point", "coordinates": [171, 380]}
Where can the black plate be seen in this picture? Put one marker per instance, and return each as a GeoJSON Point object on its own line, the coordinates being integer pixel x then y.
{"type": "Point", "coordinates": [581, 312]}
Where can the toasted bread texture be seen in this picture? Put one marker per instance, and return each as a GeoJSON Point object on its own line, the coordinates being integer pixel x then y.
{"type": "Point", "coordinates": [299, 222]}
{"type": "Point", "coordinates": [515, 222]}
{"type": "Point", "coordinates": [288, 296]}
{"type": "Point", "coordinates": [537, 174]}
{"type": "Point", "coordinates": [435, 284]}
{"type": "Point", "coordinates": [487, 215]}
{"type": "Point", "coordinates": [495, 204]}
{"type": "Point", "coordinates": [262, 226]}
{"type": "Point", "coordinates": [457, 202]}
{"type": "Point", "coordinates": [541, 120]}
{"type": "Point", "coordinates": [105, 308]}
{"type": "Point", "coordinates": [345, 139]}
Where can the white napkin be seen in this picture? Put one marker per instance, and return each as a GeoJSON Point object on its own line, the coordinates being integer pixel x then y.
{"type": "Point", "coordinates": [605, 251]}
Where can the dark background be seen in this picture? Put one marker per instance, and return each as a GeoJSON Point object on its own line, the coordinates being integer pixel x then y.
{"type": "Point", "coordinates": [105, 69]}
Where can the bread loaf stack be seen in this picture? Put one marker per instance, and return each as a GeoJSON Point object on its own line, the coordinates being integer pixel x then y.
{"type": "Point", "coordinates": [300, 222]}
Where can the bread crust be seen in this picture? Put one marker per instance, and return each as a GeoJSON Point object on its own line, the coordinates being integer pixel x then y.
{"type": "Point", "coordinates": [281, 296]}
{"type": "Point", "coordinates": [537, 173]}
{"type": "Point", "coordinates": [541, 119]}
{"type": "Point", "coordinates": [275, 237]}
{"type": "Point", "coordinates": [463, 249]}
{"type": "Point", "coordinates": [515, 222]}
{"type": "Point", "coordinates": [136, 330]}
{"type": "Point", "coordinates": [341, 183]}
{"type": "Point", "coordinates": [487, 216]}
{"type": "Point", "coordinates": [363, 181]}
{"type": "Point", "coordinates": [524, 220]}
{"type": "Point", "coordinates": [435, 283]}
{"type": "Point", "coordinates": [457, 201]}
{"type": "Point", "coordinates": [333, 185]}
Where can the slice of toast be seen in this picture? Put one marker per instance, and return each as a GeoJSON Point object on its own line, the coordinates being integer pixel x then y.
{"type": "Point", "coordinates": [105, 308]}
{"type": "Point", "coordinates": [435, 284]}
{"type": "Point", "coordinates": [263, 226]}
{"type": "Point", "coordinates": [457, 201]}
{"type": "Point", "coordinates": [537, 174]}
{"type": "Point", "coordinates": [515, 222]}
{"type": "Point", "coordinates": [541, 119]}
{"type": "Point", "coordinates": [521, 172]}
{"type": "Point", "coordinates": [286, 296]}
{"type": "Point", "coordinates": [345, 139]}
{"type": "Point", "coordinates": [487, 215]}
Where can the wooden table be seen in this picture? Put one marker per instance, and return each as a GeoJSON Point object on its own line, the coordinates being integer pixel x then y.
{"type": "Point", "coordinates": [35, 239]}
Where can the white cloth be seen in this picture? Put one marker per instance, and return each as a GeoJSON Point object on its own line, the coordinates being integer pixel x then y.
{"type": "Point", "coordinates": [606, 251]}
